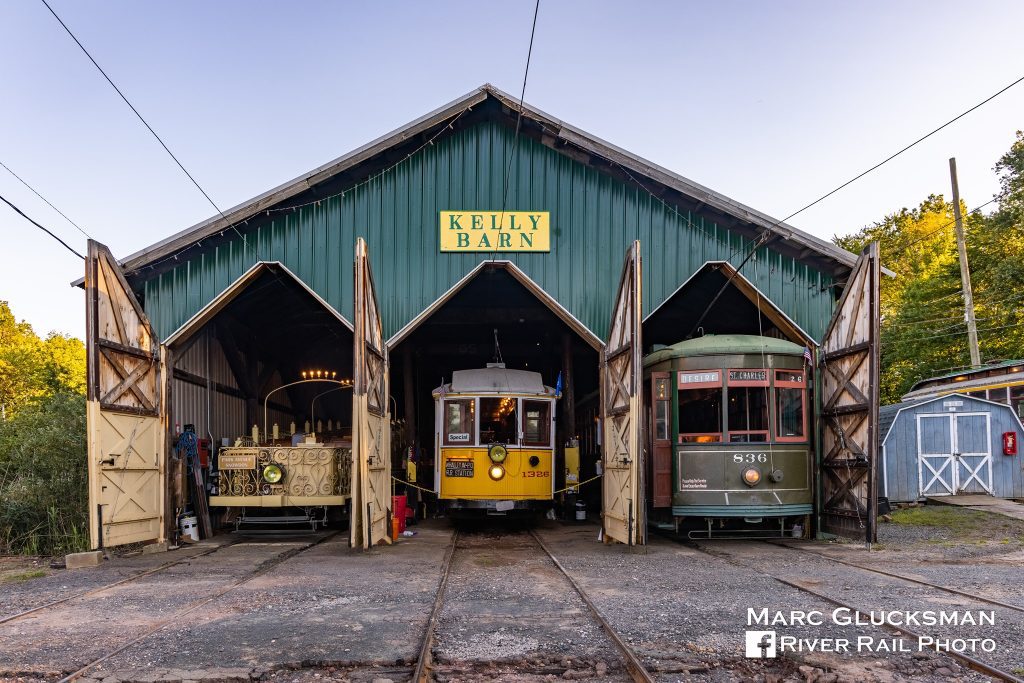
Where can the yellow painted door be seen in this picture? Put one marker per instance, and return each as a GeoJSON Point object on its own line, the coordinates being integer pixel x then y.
{"type": "Point", "coordinates": [621, 396]}
{"type": "Point", "coordinates": [371, 415]}
{"type": "Point", "coordinates": [126, 420]}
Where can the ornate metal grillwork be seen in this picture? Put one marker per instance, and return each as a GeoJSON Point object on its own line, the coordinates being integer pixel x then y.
{"type": "Point", "coordinates": [308, 471]}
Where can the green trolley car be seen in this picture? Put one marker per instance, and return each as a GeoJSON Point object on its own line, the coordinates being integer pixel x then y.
{"type": "Point", "coordinates": [729, 436]}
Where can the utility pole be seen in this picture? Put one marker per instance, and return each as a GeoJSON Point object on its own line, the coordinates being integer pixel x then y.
{"type": "Point", "coordinates": [965, 271]}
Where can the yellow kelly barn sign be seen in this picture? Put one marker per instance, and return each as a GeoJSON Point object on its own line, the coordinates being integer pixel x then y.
{"type": "Point", "coordinates": [495, 231]}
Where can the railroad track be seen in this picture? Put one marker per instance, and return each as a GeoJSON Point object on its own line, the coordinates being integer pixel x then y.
{"type": "Point", "coordinates": [176, 616]}
{"type": "Point", "coordinates": [425, 664]}
{"type": "Point", "coordinates": [969, 661]}
{"type": "Point", "coordinates": [113, 584]}
{"type": "Point", "coordinates": [903, 577]}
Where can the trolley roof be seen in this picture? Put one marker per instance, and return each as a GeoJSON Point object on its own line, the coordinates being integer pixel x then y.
{"type": "Point", "coordinates": [495, 381]}
{"type": "Point", "coordinates": [725, 344]}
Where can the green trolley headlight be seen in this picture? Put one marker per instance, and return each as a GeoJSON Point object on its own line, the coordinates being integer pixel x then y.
{"type": "Point", "coordinates": [273, 473]}
{"type": "Point", "coordinates": [497, 453]}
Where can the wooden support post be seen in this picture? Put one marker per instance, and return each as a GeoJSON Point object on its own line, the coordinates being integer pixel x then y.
{"type": "Point", "coordinates": [568, 389]}
{"type": "Point", "coordinates": [965, 270]}
{"type": "Point", "coordinates": [409, 390]}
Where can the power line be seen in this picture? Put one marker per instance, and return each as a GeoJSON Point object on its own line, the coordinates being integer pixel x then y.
{"type": "Point", "coordinates": [22, 214]}
{"type": "Point", "coordinates": [144, 122]}
{"type": "Point", "coordinates": [36, 192]}
{"type": "Point", "coordinates": [519, 119]}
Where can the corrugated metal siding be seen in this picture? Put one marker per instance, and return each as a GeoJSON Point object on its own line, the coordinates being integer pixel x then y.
{"type": "Point", "coordinates": [900, 461]}
{"type": "Point", "coordinates": [593, 220]}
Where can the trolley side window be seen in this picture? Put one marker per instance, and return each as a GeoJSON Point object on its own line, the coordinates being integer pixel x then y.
{"type": "Point", "coordinates": [790, 406]}
{"type": "Point", "coordinates": [662, 402]}
{"type": "Point", "coordinates": [537, 423]}
{"type": "Point", "coordinates": [459, 422]}
{"type": "Point", "coordinates": [700, 406]}
{"type": "Point", "coordinates": [497, 420]}
{"type": "Point", "coordinates": [748, 406]}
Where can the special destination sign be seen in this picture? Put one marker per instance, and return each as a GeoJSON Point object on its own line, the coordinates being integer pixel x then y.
{"type": "Point", "coordinates": [495, 231]}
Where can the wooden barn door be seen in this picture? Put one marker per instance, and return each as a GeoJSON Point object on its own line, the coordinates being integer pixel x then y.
{"type": "Point", "coordinates": [126, 429]}
{"type": "Point", "coordinates": [621, 412]}
{"type": "Point", "coordinates": [848, 367]}
{"type": "Point", "coordinates": [371, 415]}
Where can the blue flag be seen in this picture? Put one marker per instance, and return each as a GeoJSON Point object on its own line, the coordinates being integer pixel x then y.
{"type": "Point", "coordinates": [558, 386]}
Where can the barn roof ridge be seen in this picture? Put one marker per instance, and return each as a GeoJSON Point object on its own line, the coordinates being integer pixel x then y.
{"type": "Point", "coordinates": [566, 133]}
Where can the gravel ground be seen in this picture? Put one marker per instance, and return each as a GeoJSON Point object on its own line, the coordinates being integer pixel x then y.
{"type": "Point", "coordinates": [510, 614]}
{"type": "Point", "coordinates": [679, 607]}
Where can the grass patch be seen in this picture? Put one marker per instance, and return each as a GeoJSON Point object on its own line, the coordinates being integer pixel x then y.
{"type": "Point", "coordinates": [23, 576]}
{"type": "Point", "coordinates": [947, 516]}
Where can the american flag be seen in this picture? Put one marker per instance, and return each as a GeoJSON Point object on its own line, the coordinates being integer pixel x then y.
{"type": "Point", "coordinates": [807, 355]}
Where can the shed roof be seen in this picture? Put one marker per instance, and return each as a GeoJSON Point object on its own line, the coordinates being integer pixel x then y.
{"type": "Point", "coordinates": [716, 344]}
{"type": "Point", "coordinates": [887, 414]}
{"type": "Point", "coordinates": [556, 133]}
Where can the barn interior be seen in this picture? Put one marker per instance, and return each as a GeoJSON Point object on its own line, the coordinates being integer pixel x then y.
{"type": "Point", "coordinates": [717, 300]}
{"type": "Point", "coordinates": [266, 355]}
{"type": "Point", "coordinates": [493, 317]}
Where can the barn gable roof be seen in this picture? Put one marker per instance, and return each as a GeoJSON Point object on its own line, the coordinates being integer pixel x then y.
{"type": "Point", "coordinates": [567, 139]}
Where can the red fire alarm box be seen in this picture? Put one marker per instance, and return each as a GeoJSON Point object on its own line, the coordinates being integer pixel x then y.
{"type": "Point", "coordinates": [1009, 443]}
{"type": "Point", "coordinates": [204, 451]}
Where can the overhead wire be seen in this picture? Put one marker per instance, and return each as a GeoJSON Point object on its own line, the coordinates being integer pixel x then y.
{"type": "Point", "coordinates": [48, 202]}
{"type": "Point", "coordinates": [41, 227]}
{"type": "Point", "coordinates": [515, 137]}
{"type": "Point", "coordinates": [144, 122]}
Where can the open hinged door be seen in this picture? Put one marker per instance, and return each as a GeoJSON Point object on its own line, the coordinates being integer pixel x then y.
{"type": "Point", "coordinates": [125, 417]}
{"type": "Point", "coordinates": [621, 416]}
{"type": "Point", "coordinates": [848, 370]}
{"type": "Point", "coordinates": [371, 415]}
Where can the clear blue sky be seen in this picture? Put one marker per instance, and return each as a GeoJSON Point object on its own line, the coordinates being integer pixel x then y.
{"type": "Point", "coordinates": [772, 104]}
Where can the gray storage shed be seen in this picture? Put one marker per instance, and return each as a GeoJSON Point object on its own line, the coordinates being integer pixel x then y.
{"type": "Point", "coordinates": [947, 445]}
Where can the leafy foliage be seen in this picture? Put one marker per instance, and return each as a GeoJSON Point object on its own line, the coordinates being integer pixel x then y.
{"type": "Point", "coordinates": [923, 326]}
{"type": "Point", "coordinates": [43, 472]}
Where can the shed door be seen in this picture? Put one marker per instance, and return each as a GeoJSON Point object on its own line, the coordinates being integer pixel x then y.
{"type": "Point", "coordinates": [935, 446]}
{"type": "Point", "coordinates": [973, 453]}
{"type": "Point", "coordinates": [622, 490]}
{"type": "Point", "coordinates": [371, 416]}
{"type": "Point", "coordinates": [125, 417]}
{"type": "Point", "coordinates": [848, 367]}
{"type": "Point", "coordinates": [661, 439]}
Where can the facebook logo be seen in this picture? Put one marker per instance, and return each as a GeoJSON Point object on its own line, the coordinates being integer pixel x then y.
{"type": "Point", "coordinates": [761, 644]}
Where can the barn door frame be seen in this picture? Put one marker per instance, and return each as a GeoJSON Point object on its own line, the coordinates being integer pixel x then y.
{"type": "Point", "coordinates": [126, 413]}
{"type": "Point", "coordinates": [622, 488]}
{"type": "Point", "coordinates": [848, 367]}
{"type": "Point", "coordinates": [370, 519]}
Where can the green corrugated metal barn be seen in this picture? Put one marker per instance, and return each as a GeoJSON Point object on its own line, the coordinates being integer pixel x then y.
{"type": "Point", "coordinates": [247, 301]}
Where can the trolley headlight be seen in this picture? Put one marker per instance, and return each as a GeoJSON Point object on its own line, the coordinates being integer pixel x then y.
{"type": "Point", "coordinates": [497, 453]}
{"type": "Point", "coordinates": [496, 472]}
{"type": "Point", "coordinates": [273, 473]}
{"type": "Point", "coordinates": [751, 476]}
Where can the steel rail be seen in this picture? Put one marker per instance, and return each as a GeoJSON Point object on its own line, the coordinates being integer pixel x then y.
{"type": "Point", "coordinates": [100, 589]}
{"type": "Point", "coordinates": [636, 669]}
{"type": "Point", "coordinates": [899, 629]}
{"type": "Point", "coordinates": [922, 582]}
{"type": "Point", "coordinates": [423, 664]}
{"type": "Point", "coordinates": [266, 567]}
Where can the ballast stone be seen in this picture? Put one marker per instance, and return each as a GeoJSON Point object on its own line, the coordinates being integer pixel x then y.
{"type": "Point", "coordinates": [82, 560]}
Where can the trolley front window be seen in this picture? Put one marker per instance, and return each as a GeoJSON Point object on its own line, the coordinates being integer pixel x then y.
{"type": "Point", "coordinates": [790, 406]}
{"type": "Point", "coordinates": [700, 415]}
{"type": "Point", "coordinates": [748, 414]}
{"type": "Point", "coordinates": [537, 423]}
{"type": "Point", "coordinates": [458, 422]}
{"type": "Point", "coordinates": [497, 420]}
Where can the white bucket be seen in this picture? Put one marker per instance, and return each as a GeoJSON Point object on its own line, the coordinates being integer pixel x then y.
{"type": "Point", "coordinates": [190, 527]}
{"type": "Point", "coordinates": [581, 512]}
{"type": "Point", "coordinates": [797, 531]}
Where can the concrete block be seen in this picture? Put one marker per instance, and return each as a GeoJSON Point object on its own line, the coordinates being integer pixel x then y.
{"type": "Point", "coordinates": [79, 560]}
{"type": "Point", "coordinates": [154, 548]}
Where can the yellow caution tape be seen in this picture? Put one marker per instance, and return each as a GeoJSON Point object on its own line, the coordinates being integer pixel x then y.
{"type": "Point", "coordinates": [403, 481]}
{"type": "Point", "coordinates": [576, 486]}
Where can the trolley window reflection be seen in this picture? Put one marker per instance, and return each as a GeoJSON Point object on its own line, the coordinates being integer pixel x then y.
{"type": "Point", "coordinates": [700, 407]}
{"type": "Point", "coordinates": [497, 420]}
{"type": "Point", "coordinates": [536, 423]}
{"type": "Point", "coordinates": [458, 421]}
{"type": "Point", "coordinates": [790, 408]}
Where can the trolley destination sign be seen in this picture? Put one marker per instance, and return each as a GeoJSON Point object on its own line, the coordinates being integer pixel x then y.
{"type": "Point", "coordinates": [475, 231]}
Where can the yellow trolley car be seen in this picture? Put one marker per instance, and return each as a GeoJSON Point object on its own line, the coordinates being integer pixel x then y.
{"type": "Point", "coordinates": [494, 436]}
